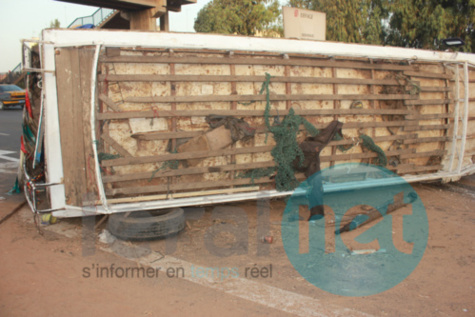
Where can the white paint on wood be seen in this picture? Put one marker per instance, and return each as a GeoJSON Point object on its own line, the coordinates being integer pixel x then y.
{"type": "Point", "coordinates": [67, 37]}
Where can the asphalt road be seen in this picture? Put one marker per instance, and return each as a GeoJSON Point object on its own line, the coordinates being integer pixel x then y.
{"type": "Point", "coordinates": [10, 132]}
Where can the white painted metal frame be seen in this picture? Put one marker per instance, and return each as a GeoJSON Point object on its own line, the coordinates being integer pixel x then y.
{"type": "Point", "coordinates": [65, 38]}
{"type": "Point", "coordinates": [68, 37]}
{"type": "Point", "coordinates": [99, 183]}
{"type": "Point", "coordinates": [456, 118]}
{"type": "Point", "coordinates": [464, 117]}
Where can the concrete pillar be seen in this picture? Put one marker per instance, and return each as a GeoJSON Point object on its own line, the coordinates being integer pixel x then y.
{"type": "Point", "coordinates": [165, 22]}
{"type": "Point", "coordinates": [143, 20]}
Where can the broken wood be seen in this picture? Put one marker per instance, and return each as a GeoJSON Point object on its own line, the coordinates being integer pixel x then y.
{"type": "Point", "coordinates": [255, 113]}
{"type": "Point", "coordinates": [394, 204]}
{"type": "Point", "coordinates": [116, 146]}
{"type": "Point", "coordinates": [297, 61]}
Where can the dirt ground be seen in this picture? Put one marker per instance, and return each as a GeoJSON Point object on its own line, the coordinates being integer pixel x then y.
{"type": "Point", "coordinates": [47, 275]}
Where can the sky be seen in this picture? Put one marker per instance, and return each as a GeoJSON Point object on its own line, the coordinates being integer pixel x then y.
{"type": "Point", "coordinates": [24, 19]}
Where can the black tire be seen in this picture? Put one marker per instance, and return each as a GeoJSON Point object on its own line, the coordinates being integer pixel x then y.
{"type": "Point", "coordinates": [147, 225]}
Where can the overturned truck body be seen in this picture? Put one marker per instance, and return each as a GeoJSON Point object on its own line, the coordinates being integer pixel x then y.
{"type": "Point", "coordinates": [137, 120]}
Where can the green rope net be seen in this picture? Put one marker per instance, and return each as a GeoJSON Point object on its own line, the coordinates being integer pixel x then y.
{"type": "Point", "coordinates": [287, 148]}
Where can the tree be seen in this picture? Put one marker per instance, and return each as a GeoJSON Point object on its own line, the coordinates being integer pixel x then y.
{"type": "Point", "coordinates": [407, 23]}
{"type": "Point", "coordinates": [55, 24]}
{"type": "Point", "coordinates": [245, 17]}
{"type": "Point", "coordinates": [423, 24]}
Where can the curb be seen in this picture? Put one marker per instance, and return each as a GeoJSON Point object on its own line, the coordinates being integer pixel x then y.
{"type": "Point", "coordinates": [14, 210]}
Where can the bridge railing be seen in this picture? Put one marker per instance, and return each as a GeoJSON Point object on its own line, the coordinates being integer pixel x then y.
{"type": "Point", "coordinates": [12, 76]}
{"type": "Point", "coordinates": [96, 18]}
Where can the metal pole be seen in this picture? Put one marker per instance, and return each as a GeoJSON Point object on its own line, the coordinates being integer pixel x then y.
{"type": "Point", "coordinates": [100, 185]}
{"type": "Point", "coordinates": [465, 117]}
{"type": "Point", "coordinates": [456, 118]}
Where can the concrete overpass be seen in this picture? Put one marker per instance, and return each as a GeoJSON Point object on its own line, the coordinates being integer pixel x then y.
{"type": "Point", "coordinates": [141, 14]}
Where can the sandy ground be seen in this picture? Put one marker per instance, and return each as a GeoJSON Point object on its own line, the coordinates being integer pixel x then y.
{"type": "Point", "coordinates": [53, 274]}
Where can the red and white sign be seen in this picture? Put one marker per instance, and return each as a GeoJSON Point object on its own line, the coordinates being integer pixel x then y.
{"type": "Point", "coordinates": [304, 24]}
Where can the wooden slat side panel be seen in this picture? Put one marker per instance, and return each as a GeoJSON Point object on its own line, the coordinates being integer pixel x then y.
{"type": "Point", "coordinates": [86, 56]}
{"type": "Point", "coordinates": [373, 97]}
{"type": "Point", "coordinates": [73, 78]}
{"type": "Point", "coordinates": [255, 61]}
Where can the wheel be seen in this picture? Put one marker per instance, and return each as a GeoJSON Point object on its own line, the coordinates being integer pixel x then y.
{"type": "Point", "coordinates": [147, 225]}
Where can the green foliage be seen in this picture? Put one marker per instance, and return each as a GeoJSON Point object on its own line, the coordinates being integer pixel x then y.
{"type": "Point", "coordinates": [55, 24]}
{"type": "Point", "coordinates": [352, 21]}
{"type": "Point", "coordinates": [423, 24]}
{"type": "Point", "coordinates": [406, 23]}
{"type": "Point", "coordinates": [245, 17]}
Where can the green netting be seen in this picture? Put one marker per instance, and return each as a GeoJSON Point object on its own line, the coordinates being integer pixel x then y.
{"type": "Point", "coordinates": [28, 134]}
{"type": "Point", "coordinates": [173, 164]}
{"type": "Point", "coordinates": [370, 145]}
{"type": "Point", "coordinates": [287, 148]}
{"type": "Point", "coordinates": [107, 156]}
{"type": "Point", "coordinates": [16, 188]}
{"type": "Point", "coordinates": [257, 173]}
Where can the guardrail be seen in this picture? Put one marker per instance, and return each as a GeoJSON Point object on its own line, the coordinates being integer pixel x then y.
{"type": "Point", "coordinates": [96, 18]}
{"type": "Point", "coordinates": [12, 76]}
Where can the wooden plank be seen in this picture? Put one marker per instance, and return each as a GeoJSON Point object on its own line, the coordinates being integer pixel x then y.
{"type": "Point", "coordinates": [116, 146]}
{"type": "Point", "coordinates": [373, 104]}
{"type": "Point", "coordinates": [379, 124]}
{"type": "Point", "coordinates": [246, 113]}
{"type": "Point", "coordinates": [394, 168]}
{"type": "Point", "coordinates": [435, 89]}
{"type": "Point", "coordinates": [71, 129]}
{"type": "Point", "coordinates": [262, 129]}
{"type": "Point", "coordinates": [184, 156]}
{"type": "Point", "coordinates": [109, 102]}
{"type": "Point", "coordinates": [352, 156]}
{"type": "Point", "coordinates": [428, 75]}
{"type": "Point", "coordinates": [235, 78]}
{"type": "Point", "coordinates": [73, 73]}
{"type": "Point", "coordinates": [113, 51]}
{"type": "Point", "coordinates": [237, 167]}
{"type": "Point", "coordinates": [428, 102]}
{"type": "Point", "coordinates": [378, 139]}
{"type": "Point", "coordinates": [423, 154]}
{"type": "Point", "coordinates": [185, 186]}
{"type": "Point", "coordinates": [336, 105]}
{"type": "Point", "coordinates": [255, 98]}
{"type": "Point", "coordinates": [226, 191]}
{"type": "Point", "coordinates": [173, 123]}
{"type": "Point", "coordinates": [416, 169]}
{"type": "Point", "coordinates": [232, 71]}
{"type": "Point", "coordinates": [422, 117]}
{"type": "Point", "coordinates": [428, 140]}
{"type": "Point", "coordinates": [235, 182]}
{"type": "Point", "coordinates": [187, 171]}
{"type": "Point", "coordinates": [166, 135]}
{"type": "Point", "coordinates": [447, 106]}
{"type": "Point", "coordinates": [312, 62]}
{"type": "Point", "coordinates": [428, 127]}
{"type": "Point", "coordinates": [86, 57]}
